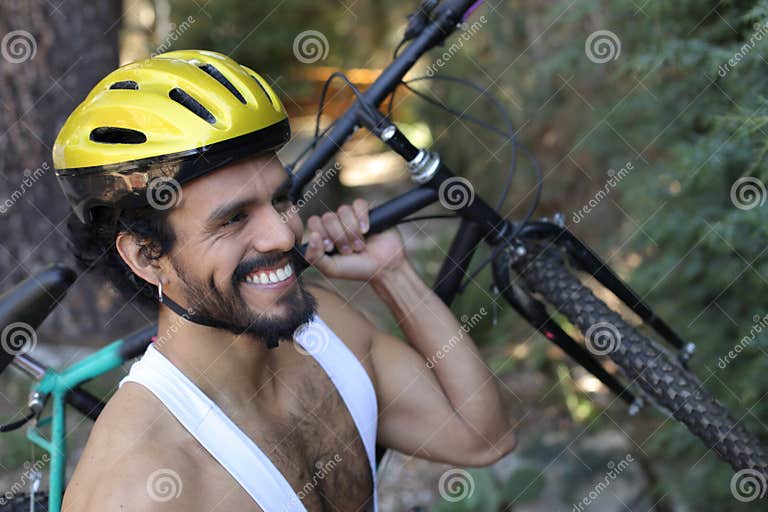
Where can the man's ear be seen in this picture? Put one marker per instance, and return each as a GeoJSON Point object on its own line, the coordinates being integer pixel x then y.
{"type": "Point", "coordinates": [131, 251]}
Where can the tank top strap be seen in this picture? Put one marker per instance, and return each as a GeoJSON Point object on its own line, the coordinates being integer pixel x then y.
{"type": "Point", "coordinates": [350, 379]}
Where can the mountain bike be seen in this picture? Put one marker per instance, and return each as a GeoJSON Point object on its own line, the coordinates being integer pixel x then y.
{"type": "Point", "coordinates": [532, 263]}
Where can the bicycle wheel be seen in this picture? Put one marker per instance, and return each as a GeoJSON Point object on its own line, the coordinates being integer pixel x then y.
{"type": "Point", "coordinates": [644, 362]}
{"type": "Point", "coordinates": [21, 503]}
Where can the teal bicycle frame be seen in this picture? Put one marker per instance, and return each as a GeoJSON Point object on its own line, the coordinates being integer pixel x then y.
{"type": "Point", "coordinates": [56, 385]}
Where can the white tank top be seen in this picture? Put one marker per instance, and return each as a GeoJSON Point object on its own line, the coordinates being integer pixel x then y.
{"type": "Point", "coordinates": [229, 445]}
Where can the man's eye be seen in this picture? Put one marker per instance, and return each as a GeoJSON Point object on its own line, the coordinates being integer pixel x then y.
{"type": "Point", "coordinates": [235, 219]}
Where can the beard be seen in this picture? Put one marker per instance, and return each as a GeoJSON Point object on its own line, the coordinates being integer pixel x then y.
{"type": "Point", "coordinates": [237, 317]}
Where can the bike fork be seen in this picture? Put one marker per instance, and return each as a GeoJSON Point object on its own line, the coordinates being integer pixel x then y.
{"type": "Point", "coordinates": [586, 260]}
{"type": "Point", "coordinates": [535, 313]}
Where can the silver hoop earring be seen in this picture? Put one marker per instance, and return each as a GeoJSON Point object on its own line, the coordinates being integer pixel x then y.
{"type": "Point", "coordinates": [160, 291]}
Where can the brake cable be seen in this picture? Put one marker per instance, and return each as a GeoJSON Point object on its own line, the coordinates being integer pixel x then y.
{"type": "Point", "coordinates": [516, 145]}
{"type": "Point", "coordinates": [8, 427]}
{"type": "Point", "coordinates": [318, 135]}
{"type": "Point", "coordinates": [498, 249]}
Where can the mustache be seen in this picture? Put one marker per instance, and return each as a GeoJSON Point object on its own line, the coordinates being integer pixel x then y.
{"type": "Point", "coordinates": [268, 260]}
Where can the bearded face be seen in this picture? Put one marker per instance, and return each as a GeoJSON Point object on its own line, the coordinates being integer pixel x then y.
{"type": "Point", "coordinates": [233, 258]}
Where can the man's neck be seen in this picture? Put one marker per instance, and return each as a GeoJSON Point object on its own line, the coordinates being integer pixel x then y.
{"type": "Point", "coordinates": [229, 369]}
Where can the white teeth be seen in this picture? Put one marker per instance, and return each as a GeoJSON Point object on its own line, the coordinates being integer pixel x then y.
{"type": "Point", "coordinates": [280, 274]}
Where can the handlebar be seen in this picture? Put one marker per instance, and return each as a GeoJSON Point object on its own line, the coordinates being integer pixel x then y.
{"type": "Point", "coordinates": [24, 307]}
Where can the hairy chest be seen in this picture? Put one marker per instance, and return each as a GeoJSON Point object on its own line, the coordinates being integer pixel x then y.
{"type": "Point", "coordinates": [334, 472]}
{"type": "Point", "coordinates": [316, 447]}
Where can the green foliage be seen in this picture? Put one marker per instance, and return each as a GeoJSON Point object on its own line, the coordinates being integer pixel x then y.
{"type": "Point", "coordinates": [524, 485]}
{"type": "Point", "coordinates": [692, 130]}
{"type": "Point", "coordinates": [262, 34]}
{"type": "Point", "coordinates": [480, 491]}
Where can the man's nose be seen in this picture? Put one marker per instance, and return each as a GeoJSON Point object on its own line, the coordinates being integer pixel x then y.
{"type": "Point", "coordinates": [272, 233]}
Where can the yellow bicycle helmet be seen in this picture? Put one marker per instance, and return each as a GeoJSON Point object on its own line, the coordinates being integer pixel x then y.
{"type": "Point", "coordinates": [175, 116]}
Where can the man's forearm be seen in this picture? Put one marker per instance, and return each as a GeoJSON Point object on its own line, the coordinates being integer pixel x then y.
{"type": "Point", "coordinates": [448, 350]}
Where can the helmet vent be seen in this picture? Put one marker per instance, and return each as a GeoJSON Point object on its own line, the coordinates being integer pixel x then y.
{"type": "Point", "coordinates": [114, 135]}
{"type": "Point", "coordinates": [216, 74]}
{"type": "Point", "coordinates": [125, 84]}
{"type": "Point", "coordinates": [179, 96]}
{"type": "Point", "coordinates": [265, 91]}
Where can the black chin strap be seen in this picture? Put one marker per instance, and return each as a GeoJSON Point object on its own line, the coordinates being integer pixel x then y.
{"type": "Point", "coordinates": [189, 314]}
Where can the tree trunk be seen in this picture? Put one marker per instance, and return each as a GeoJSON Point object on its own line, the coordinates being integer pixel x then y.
{"type": "Point", "coordinates": [51, 57]}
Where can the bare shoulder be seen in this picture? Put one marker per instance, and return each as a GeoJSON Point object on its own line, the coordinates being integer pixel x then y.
{"type": "Point", "coordinates": [130, 461]}
{"type": "Point", "coordinates": [349, 324]}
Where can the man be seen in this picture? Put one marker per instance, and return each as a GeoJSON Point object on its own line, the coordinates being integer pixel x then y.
{"type": "Point", "coordinates": [261, 392]}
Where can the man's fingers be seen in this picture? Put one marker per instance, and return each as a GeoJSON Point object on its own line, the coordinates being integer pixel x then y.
{"type": "Point", "coordinates": [336, 231]}
{"type": "Point", "coordinates": [344, 228]}
{"type": "Point", "coordinates": [351, 226]}
{"type": "Point", "coordinates": [314, 247]}
{"type": "Point", "coordinates": [316, 256]}
{"type": "Point", "coordinates": [314, 224]}
{"type": "Point", "coordinates": [361, 208]}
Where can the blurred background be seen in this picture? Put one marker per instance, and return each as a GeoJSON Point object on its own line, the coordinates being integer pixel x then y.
{"type": "Point", "coordinates": [646, 117]}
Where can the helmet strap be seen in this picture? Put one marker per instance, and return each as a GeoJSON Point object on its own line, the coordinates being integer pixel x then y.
{"type": "Point", "coordinates": [190, 315]}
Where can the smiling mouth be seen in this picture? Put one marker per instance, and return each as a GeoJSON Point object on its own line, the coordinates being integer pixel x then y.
{"type": "Point", "coordinates": [273, 277]}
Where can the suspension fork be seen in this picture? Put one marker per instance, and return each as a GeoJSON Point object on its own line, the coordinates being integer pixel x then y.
{"type": "Point", "coordinates": [535, 313]}
{"type": "Point", "coordinates": [586, 260]}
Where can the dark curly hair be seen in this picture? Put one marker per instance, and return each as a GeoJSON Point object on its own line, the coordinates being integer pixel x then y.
{"type": "Point", "coordinates": [95, 250]}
